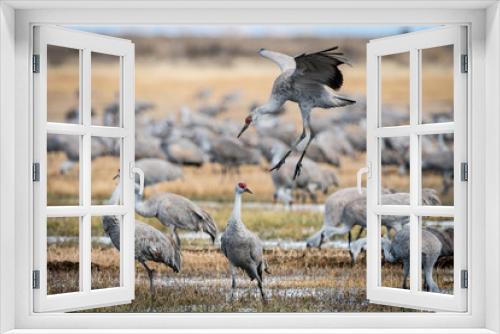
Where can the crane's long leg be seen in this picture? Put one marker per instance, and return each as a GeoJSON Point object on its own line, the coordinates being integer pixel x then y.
{"type": "Point", "coordinates": [232, 270]}
{"type": "Point", "coordinates": [294, 145]}
{"type": "Point", "coordinates": [150, 274]}
{"type": "Point", "coordinates": [298, 167]}
{"type": "Point", "coordinates": [177, 239]}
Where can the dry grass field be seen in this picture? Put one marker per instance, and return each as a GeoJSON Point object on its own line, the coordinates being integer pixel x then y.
{"type": "Point", "coordinates": [302, 280]}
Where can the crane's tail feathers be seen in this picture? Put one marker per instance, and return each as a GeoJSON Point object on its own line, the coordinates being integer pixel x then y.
{"type": "Point", "coordinates": [210, 228]}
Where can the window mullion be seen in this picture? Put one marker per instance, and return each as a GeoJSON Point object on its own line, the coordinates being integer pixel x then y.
{"type": "Point", "coordinates": [415, 268]}
{"type": "Point", "coordinates": [85, 172]}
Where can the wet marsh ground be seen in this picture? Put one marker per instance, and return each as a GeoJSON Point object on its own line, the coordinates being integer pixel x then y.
{"type": "Point", "coordinates": [301, 281]}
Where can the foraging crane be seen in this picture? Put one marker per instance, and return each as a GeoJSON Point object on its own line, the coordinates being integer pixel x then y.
{"type": "Point", "coordinates": [310, 81]}
{"type": "Point", "coordinates": [150, 244]}
{"type": "Point", "coordinates": [242, 248]}
{"type": "Point", "coordinates": [176, 211]}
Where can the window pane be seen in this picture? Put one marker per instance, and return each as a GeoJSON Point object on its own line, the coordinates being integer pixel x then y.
{"type": "Point", "coordinates": [106, 90]}
{"type": "Point", "coordinates": [395, 246]}
{"type": "Point", "coordinates": [395, 89]}
{"type": "Point", "coordinates": [394, 163]}
{"type": "Point", "coordinates": [63, 84]}
{"type": "Point", "coordinates": [437, 254]}
{"type": "Point", "coordinates": [63, 169]}
{"type": "Point", "coordinates": [437, 169]}
{"type": "Point", "coordinates": [63, 255]}
{"type": "Point", "coordinates": [105, 168]}
{"type": "Point", "coordinates": [105, 252]}
{"type": "Point", "coordinates": [437, 84]}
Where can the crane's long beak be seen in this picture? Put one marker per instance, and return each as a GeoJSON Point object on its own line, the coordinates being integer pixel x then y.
{"type": "Point", "coordinates": [116, 176]}
{"type": "Point", "coordinates": [245, 127]}
{"type": "Point", "coordinates": [248, 191]}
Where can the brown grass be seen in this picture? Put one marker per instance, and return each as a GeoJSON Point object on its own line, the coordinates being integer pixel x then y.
{"type": "Point", "coordinates": [340, 287]}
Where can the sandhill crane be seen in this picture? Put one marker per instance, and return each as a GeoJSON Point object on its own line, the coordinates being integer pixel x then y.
{"type": "Point", "coordinates": [445, 237]}
{"type": "Point", "coordinates": [242, 248]}
{"type": "Point", "coordinates": [157, 170]}
{"type": "Point", "coordinates": [399, 250]}
{"type": "Point", "coordinates": [150, 244]}
{"type": "Point", "coordinates": [355, 211]}
{"type": "Point", "coordinates": [176, 211]}
{"type": "Point", "coordinates": [312, 180]}
{"type": "Point", "coordinates": [310, 81]}
{"type": "Point", "coordinates": [148, 147]}
{"type": "Point", "coordinates": [100, 146]}
{"type": "Point", "coordinates": [333, 224]}
{"type": "Point", "coordinates": [183, 151]}
{"type": "Point", "coordinates": [230, 153]}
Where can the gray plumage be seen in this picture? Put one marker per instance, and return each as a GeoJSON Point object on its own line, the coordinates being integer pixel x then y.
{"type": "Point", "coordinates": [157, 170]}
{"type": "Point", "coordinates": [332, 218]}
{"type": "Point", "coordinates": [310, 81]}
{"type": "Point", "coordinates": [399, 250]}
{"type": "Point", "coordinates": [230, 153]}
{"type": "Point", "coordinates": [150, 243]}
{"type": "Point", "coordinates": [148, 147]}
{"type": "Point", "coordinates": [241, 247]}
{"type": "Point", "coordinates": [176, 212]}
{"type": "Point", "coordinates": [313, 179]}
{"type": "Point", "coordinates": [355, 211]}
{"type": "Point", "coordinates": [183, 151]}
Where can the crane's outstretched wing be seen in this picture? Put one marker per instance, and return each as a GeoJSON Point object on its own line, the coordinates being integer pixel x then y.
{"type": "Point", "coordinates": [284, 61]}
{"type": "Point", "coordinates": [321, 67]}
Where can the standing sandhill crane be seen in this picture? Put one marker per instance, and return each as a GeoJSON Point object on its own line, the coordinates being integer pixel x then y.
{"type": "Point", "coordinates": [310, 81]}
{"type": "Point", "coordinates": [158, 170]}
{"type": "Point", "coordinates": [176, 211]}
{"type": "Point", "coordinates": [150, 244]}
{"type": "Point", "coordinates": [242, 248]}
{"type": "Point", "coordinates": [399, 250]}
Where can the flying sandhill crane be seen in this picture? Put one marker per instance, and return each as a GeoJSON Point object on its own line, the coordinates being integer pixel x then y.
{"type": "Point", "coordinates": [242, 248]}
{"type": "Point", "coordinates": [399, 250]}
{"type": "Point", "coordinates": [310, 81]}
{"type": "Point", "coordinates": [176, 211]}
{"type": "Point", "coordinates": [158, 170]}
{"type": "Point", "coordinates": [150, 244]}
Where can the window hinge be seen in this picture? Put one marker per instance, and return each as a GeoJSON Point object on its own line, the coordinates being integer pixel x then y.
{"type": "Point", "coordinates": [36, 172]}
{"type": "Point", "coordinates": [464, 279]}
{"type": "Point", "coordinates": [464, 170]}
{"type": "Point", "coordinates": [36, 63]}
{"type": "Point", "coordinates": [36, 279]}
{"type": "Point", "coordinates": [465, 64]}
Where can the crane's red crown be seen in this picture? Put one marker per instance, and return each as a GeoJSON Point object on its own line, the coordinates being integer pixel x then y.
{"type": "Point", "coordinates": [248, 120]}
{"type": "Point", "coordinates": [242, 185]}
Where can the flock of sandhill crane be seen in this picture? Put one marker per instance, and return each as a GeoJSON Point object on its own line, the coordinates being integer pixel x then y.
{"type": "Point", "coordinates": [309, 80]}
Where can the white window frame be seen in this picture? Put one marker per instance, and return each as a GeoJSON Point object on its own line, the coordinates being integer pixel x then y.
{"type": "Point", "coordinates": [412, 44]}
{"type": "Point", "coordinates": [16, 19]}
{"type": "Point", "coordinates": [86, 44]}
